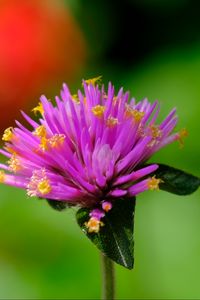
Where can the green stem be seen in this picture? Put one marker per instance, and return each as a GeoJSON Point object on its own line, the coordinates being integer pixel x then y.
{"type": "Point", "coordinates": [108, 278]}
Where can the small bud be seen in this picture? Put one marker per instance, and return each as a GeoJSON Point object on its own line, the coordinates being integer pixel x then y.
{"type": "Point", "coordinates": [106, 206]}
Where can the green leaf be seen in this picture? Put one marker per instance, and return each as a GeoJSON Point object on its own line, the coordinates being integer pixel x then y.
{"type": "Point", "coordinates": [115, 238]}
{"type": "Point", "coordinates": [58, 205]}
{"type": "Point", "coordinates": [176, 181]}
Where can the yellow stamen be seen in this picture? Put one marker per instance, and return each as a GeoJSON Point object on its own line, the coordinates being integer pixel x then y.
{"type": "Point", "coordinates": [98, 110]}
{"type": "Point", "coordinates": [111, 122]}
{"type": "Point", "coordinates": [156, 132]}
{"type": "Point", "coordinates": [94, 80]}
{"type": "Point", "coordinates": [153, 183]}
{"type": "Point", "coordinates": [57, 140]}
{"type": "Point", "coordinates": [93, 225]}
{"type": "Point", "coordinates": [38, 108]}
{"type": "Point", "coordinates": [40, 131]}
{"type": "Point", "coordinates": [44, 143]}
{"type": "Point", "coordinates": [2, 176]}
{"type": "Point", "coordinates": [14, 163]}
{"type": "Point", "coordinates": [75, 98]}
{"type": "Point", "coordinates": [182, 134]}
{"type": "Point", "coordinates": [136, 114]}
{"type": "Point", "coordinates": [44, 186]}
{"type": "Point", "coordinates": [39, 183]}
{"type": "Point", "coordinates": [8, 134]}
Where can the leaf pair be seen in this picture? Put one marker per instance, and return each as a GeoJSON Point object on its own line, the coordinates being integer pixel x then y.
{"type": "Point", "coordinates": [115, 238]}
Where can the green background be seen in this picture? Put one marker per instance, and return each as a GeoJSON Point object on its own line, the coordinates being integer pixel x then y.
{"type": "Point", "coordinates": [44, 255]}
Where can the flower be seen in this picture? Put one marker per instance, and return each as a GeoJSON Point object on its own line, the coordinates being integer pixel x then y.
{"type": "Point", "coordinates": [88, 150]}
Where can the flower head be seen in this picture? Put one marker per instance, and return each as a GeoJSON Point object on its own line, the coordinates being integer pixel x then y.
{"type": "Point", "coordinates": [89, 150]}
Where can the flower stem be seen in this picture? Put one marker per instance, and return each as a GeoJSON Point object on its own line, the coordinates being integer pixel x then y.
{"type": "Point", "coordinates": [108, 278]}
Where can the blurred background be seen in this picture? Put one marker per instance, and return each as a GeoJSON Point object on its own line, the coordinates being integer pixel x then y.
{"type": "Point", "coordinates": [152, 48]}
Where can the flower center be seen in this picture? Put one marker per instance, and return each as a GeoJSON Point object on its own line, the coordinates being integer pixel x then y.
{"type": "Point", "coordinates": [156, 132]}
{"type": "Point", "coordinates": [153, 183]}
{"type": "Point", "coordinates": [57, 140]}
{"type": "Point", "coordinates": [136, 114]}
{"type": "Point", "coordinates": [98, 110]}
{"type": "Point", "coordinates": [44, 144]}
{"type": "Point", "coordinates": [2, 176]}
{"type": "Point", "coordinates": [43, 186]}
{"type": "Point", "coordinates": [111, 122]}
{"type": "Point", "coordinates": [39, 183]}
{"type": "Point", "coordinates": [14, 164]}
{"type": "Point", "coordinates": [40, 131]}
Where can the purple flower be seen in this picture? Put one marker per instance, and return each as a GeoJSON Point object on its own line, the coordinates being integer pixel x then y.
{"type": "Point", "coordinates": [88, 150]}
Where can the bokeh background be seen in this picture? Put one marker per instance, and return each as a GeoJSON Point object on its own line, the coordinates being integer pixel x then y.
{"type": "Point", "coordinates": [150, 47]}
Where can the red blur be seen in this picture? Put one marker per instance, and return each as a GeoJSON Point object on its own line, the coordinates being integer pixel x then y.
{"type": "Point", "coordinates": [40, 46]}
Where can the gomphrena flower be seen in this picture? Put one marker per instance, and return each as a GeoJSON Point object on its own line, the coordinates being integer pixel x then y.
{"type": "Point", "coordinates": [89, 149]}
